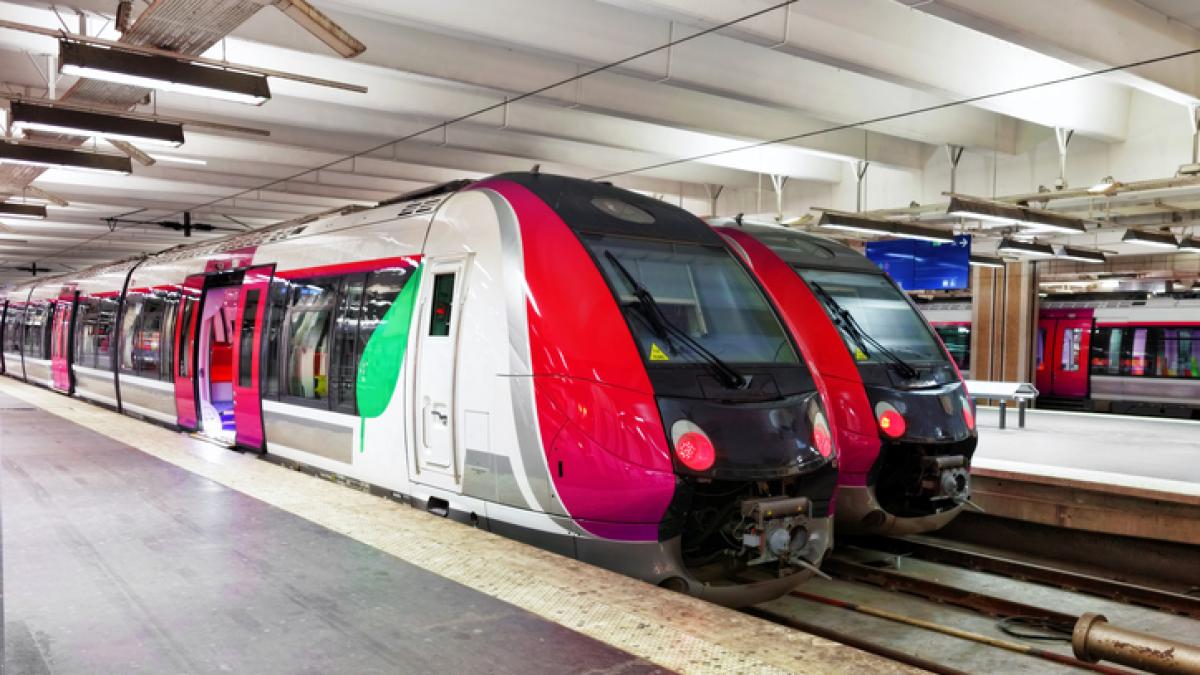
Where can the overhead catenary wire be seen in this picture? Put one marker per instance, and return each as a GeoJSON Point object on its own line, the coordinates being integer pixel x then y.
{"type": "Point", "coordinates": [508, 100]}
{"type": "Point", "coordinates": [692, 158]}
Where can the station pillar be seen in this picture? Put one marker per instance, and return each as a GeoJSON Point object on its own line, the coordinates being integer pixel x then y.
{"type": "Point", "coordinates": [1004, 311]}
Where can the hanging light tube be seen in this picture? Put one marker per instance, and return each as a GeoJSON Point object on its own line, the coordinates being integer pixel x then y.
{"type": "Point", "coordinates": [69, 122]}
{"type": "Point", "coordinates": [1014, 247]}
{"type": "Point", "coordinates": [836, 220]}
{"type": "Point", "coordinates": [57, 158]}
{"type": "Point", "coordinates": [1156, 239]}
{"type": "Point", "coordinates": [1190, 245]}
{"type": "Point", "coordinates": [160, 72]}
{"type": "Point", "coordinates": [998, 212]}
{"type": "Point", "coordinates": [1082, 255]}
{"type": "Point", "coordinates": [24, 211]}
{"type": "Point", "coordinates": [985, 261]}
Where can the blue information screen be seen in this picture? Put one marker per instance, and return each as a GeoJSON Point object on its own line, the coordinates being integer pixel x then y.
{"type": "Point", "coordinates": [924, 265]}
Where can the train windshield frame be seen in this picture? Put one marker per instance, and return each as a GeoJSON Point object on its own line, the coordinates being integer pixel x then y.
{"type": "Point", "coordinates": [882, 311]}
{"type": "Point", "coordinates": [700, 289]}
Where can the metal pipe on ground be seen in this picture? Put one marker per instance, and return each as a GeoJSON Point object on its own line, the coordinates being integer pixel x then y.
{"type": "Point", "coordinates": [1095, 640]}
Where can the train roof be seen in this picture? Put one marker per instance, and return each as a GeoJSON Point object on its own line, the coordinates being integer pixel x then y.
{"type": "Point", "coordinates": [805, 249]}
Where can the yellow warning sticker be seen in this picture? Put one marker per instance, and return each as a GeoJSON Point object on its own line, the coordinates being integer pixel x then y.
{"type": "Point", "coordinates": [657, 354]}
{"type": "Point", "coordinates": [860, 355]}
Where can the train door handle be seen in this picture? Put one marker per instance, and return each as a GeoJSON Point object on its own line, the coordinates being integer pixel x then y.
{"type": "Point", "coordinates": [441, 417]}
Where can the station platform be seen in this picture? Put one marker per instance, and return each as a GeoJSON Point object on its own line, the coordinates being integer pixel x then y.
{"type": "Point", "coordinates": [1140, 453]}
{"type": "Point", "coordinates": [135, 549]}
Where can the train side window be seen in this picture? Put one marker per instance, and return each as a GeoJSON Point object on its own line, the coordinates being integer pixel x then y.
{"type": "Point", "coordinates": [1189, 353]}
{"type": "Point", "coordinates": [1072, 337]}
{"type": "Point", "coordinates": [14, 318]}
{"type": "Point", "coordinates": [345, 342]}
{"type": "Point", "coordinates": [148, 337]}
{"type": "Point", "coordinates": [308, 338]}
{"type": "Point", "coordinates": [1137, 358]}
{"type": "Point", "coordinates": [1106, 351]}
{"type": "Point", "coordinates": [246, 339]}
{"type": "Point", "coordinates": [85, 325]}
{"type": "Point", "coordinates": [276, 309]}
{"type": "Point", "coordinates": [382, 288]}
{"type": "Point", "coordinates": [166, 339]}
{"type": "Point", "coordinates": [442, 305]}
{"type": "Point", "coordinates": [130, 313]}
{"type": "Point", "coordinates": [39, 319]}
{"type": "Point", "coordinates": [1041, 349]}
{"type": "Point", "coordinates": [184, 357]}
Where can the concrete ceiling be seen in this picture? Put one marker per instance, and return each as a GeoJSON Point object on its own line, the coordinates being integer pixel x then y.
{"type": "Point", "coordinates": [814, 66]}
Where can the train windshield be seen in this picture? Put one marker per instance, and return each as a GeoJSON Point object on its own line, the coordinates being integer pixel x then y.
{"type": "Point", "coordinates": [881, 311]}
{"type": "Point", "coordinates": [698, 290]}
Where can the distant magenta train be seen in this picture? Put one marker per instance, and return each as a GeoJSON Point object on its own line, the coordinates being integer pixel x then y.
{"type": "Point", "coordinates": [903, 422]}
{"type": "Point", "coordinates": [1123, 352]}
{"type": "Point", "coordinates": [556, 360]}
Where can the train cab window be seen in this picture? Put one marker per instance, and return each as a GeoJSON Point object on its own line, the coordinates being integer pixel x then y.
{"type": "Point", "coordinates": [702, 291]}
{"type": "Point", "coordinates": [246, 339]}
{"type": "Point", "coordinates": [345, 343]}
{"type": "Point", "coordinates": [442, 305]}
{"type": "Point", "coordinates": [310, 309]}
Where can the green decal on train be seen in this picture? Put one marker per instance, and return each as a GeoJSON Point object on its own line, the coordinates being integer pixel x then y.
{"type": "Point", "coordinates": [379, 369]}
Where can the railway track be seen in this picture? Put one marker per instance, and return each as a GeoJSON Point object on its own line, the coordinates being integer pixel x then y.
{"type": "Point", "coordinates": [870, 574]}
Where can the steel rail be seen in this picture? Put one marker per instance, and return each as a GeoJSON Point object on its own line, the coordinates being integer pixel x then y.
{"type": "Point", "coordinates": [1120, 591]}
{"type": "Point", "coordinates": [950, 595]}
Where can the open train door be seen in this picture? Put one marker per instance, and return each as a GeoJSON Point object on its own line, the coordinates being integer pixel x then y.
{"type": "Point", "coordinates": [62, 341]}
{"type": "Point", "coordinates": [185, 351]}
{"type": "Point", "coordinates": [247, 358]}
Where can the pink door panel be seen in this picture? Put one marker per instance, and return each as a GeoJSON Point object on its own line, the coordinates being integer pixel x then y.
{"type": "Point", "coordinates": [185, 351]}
{"type": "Point", "coordinates": [61, 342]}
{"type": "Point", "coordinates": [247, 401]}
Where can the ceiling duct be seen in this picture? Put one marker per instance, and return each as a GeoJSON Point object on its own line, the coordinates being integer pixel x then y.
{"type": "Point", "coordinates": [1156, 239]}
{"type": "Point", "coordinates": [161, 72]}
{"type": "Point", "coordinates": [1014, 247]}
{"type": "Point", "coordinates": [57, 158]}
{"type": "Point", "coordinates": [26, 116]}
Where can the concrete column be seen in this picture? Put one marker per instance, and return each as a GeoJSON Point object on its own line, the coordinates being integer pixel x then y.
{"type": "Point", "coordinates": [1004, 322]}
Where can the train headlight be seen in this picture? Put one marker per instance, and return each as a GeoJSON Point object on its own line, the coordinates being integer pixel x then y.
{"type": "Point", "coordinates": [692, 446]}
{"type": "Point", "coordinates": [822, 438]}
{"type": "Point", "coordinates": [891, 422]}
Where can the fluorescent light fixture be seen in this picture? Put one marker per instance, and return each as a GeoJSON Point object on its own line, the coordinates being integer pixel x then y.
{"type": "Point", "coordinates": [836, 220]}
{"type": "Point", "coordinates": [91, 124]}
{"type": "Point", "coordinates": [923, 233]}
{"type": "Point", "coordinates": [999, 212]}
{"type": "Point", "coordinates": [1190, 245]}
{"type": "Point", "coordinates": [177, 159]}
{"type": "Point", "coordinates": [322, 27]}
{"type": "Point", "coordinates": [1105, 187]}
{"type": "Point", "coordinates": [1082, 255]}
{"type": "Point", "coordinates": [1157, 239]}
{"type": "Point", "coordinates": [161, 72]}
{"type": "Point", "coordinates": [57, 158]}
{"type": "Point", "coordinates": [967, 207]}
{"type": "Point", "coordinates": [1048, 220]}
{"type": "Point", "coordinates": [985, 261]}
{"type": "Point", "coordinates": [25, 211]}
{"type": "Point", "coordinates": [1014, 247]}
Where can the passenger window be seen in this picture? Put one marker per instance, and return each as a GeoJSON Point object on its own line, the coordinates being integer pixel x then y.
{"type": "Point", "coordinates": [129, 318]}
{"type": "Point", "coordinates": [246, 339]}
{"type": "Point", "coordinates": [166, 338]}
{"type": "Point", "coordinates": [1041, 349]}
{"type": "Point", "coordinates": [309, 314]}
{"type": "Point", "coordinates": [443, 305]}
{"type": "Point", "coordinates": [148, 337]}
{"type": "Point", "coordinates": [345, 337]}
{"type": "Point", "coordinates": [276, 311]}
{"type": "Point", "coordinates": [185, 336]}
{"type": "Point", "coordinates": [1069, 360]}
{"type": "Point", "coordinates": [382, 288]}
{"type": "Point", "coordinates": [1137, 361]}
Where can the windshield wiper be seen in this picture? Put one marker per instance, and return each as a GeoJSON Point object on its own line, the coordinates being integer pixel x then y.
{"type": "Point", "coordinates": [665, 329]}
{"type": "Point", "coordinates": [846, 320]}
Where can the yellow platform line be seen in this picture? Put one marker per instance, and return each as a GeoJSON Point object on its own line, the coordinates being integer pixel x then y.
{"type": "Point", "coordinates": [665, 628]}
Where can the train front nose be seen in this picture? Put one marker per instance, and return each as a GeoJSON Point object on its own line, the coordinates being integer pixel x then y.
{"type": "Point", "coordinates": [754, 486]}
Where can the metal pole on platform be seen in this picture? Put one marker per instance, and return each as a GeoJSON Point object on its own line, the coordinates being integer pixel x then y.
{"type": "Point", "coordinates": [1095, 639]}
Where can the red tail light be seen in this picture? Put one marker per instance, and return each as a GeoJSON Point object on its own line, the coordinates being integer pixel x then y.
{"type": "Point", "coordinates": [891, 422]}
{"type": "Point", "coordinates": [822, 439]}
{"type": "Point", "coordinates": [692, 446]}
